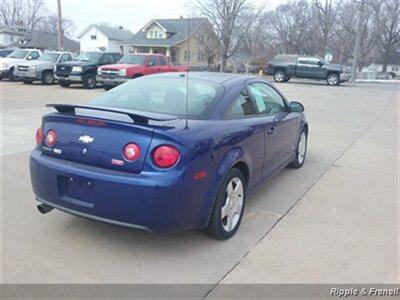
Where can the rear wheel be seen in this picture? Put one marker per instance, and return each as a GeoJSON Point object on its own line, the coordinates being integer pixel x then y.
{"type": "Point", "coordinates": [229, 206]}
{"type": "Point", "coordinates": [301, 151]}
{"type": "Point", "coordinates": [280, 76]}
{"type": "Point", "coordinates": [63, 83]}
{"type": "Point", "coordinates": [47, 77]}
{"type": "Point", "coordinates": [89, 81]}
{"type": "Point", "coordinates": [333, 79]}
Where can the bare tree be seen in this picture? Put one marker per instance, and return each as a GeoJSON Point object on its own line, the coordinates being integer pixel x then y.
{"type": "Point", "coordinates": [325, 11]}
{"type": "Point", "coordinates": [49, 24]}
{"type": "Point", "coordinates": [26, 13]}
{"type": "Point", "coordinates": [227, 18]}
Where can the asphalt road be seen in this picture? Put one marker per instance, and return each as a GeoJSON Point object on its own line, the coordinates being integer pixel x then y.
{"type": "Point", "coordinates": [334, 220]}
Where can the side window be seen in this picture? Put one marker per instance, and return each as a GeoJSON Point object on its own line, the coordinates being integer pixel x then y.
{"type": "Point", "coordinates": [162, 60]}
{"type": "Point", "coordinates": [65, 57]}
{"type": "Point", "coordinates": [241, 107]}
{"type": "Point", "coordinates": [266, 99]}
{"type": "Point", "coordinates": [34, 54]}
{"type": "Point", "coordinates": [152, 61]}
{"type": "Point", "coordinates": [107, 59]}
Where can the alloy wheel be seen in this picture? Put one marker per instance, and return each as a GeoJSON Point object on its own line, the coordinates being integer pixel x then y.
{"type": "Point", "coordinates": [302, 148]}
{"type": "Point", "coordinates": [232, 209]}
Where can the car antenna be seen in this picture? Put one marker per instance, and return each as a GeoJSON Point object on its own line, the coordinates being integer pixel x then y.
{"type": "Point", "coordinates": [187, 75]}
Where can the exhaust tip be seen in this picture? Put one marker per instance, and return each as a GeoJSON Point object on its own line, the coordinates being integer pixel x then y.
{"type": "Point", "coordinates": [44, 208]}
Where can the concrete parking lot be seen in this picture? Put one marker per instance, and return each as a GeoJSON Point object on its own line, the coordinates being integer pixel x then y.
{"type": "Point", "coordinates": [334, 220]}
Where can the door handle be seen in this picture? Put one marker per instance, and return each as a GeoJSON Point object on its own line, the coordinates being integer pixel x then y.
{"type": "Point", "coordinates": [271, 130]}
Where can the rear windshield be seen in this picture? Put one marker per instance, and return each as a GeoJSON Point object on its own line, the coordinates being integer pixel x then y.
{"type": "Point", "coordinates": [133, 59]}
{"type": "Point", "coordinates": [164, 95]}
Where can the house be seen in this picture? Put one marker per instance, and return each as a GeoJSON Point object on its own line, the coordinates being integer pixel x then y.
{"type": "Point", "coordinates": [392, 67]}
{"type": "Point", "coordinates": [103, 38]}
{"type": "Point", "coordinates": [182, 40]}
{"type": "Point", "coordinates": [10, 34]}
{"type": "Point", "coordinates": [44, 41]}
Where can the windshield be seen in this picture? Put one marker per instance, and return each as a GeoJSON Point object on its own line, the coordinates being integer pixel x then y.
{"type": "Point", "coordinates": [133, 59]}
{"type": "Point", "coordinates": [19, 53]}
{"type": "Point", "coordinates": [51, 57]}
{"type": "Point", "coordinates": [165, 95]}
{"type": "Point", "coordinates": [89, 56]}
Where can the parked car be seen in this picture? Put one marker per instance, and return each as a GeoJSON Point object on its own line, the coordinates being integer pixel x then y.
{"type": "Point", "coordinates": [5, 52]}
{"type": "Point", "coordinates": [41, 69]}
{"type": "Point", "coordinates": [133, 66]}
{"type": "Point", "coordinates": [284, 67]}
{"type": "Point", "coordinates": [7, 64]}
{"type": "Point", "coordinates": [167, 152]}
{"type": "Point", "coordinates": [83, 68]}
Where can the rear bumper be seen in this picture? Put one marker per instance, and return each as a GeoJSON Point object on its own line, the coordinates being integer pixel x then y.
{"type": "Point", "coordinates": [157, 202]}
{"type": "Point", "coordinates": [111, 81]}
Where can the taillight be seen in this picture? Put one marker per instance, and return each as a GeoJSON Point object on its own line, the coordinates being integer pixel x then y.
{"type": "Point", "coordinates": [39, 135]}
{"type": "Point", "coordinates": [51, 138]}
{"type": "Point", "coordinates": [165, 156]}
{"type": "Point", "coordinates": [131, 152]}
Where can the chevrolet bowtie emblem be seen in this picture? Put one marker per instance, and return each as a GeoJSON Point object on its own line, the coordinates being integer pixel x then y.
{"type": "Point", "coordinates": [86, 139]}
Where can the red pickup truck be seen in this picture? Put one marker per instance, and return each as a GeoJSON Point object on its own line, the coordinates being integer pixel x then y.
{"type": "Point", "coordinates": [135, 65]}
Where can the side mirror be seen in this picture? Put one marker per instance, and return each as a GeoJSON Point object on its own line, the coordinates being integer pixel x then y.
{"type": "Point", "coordinates": [29, 57]}
{"type": "Point", "coordinates": [296, 107]}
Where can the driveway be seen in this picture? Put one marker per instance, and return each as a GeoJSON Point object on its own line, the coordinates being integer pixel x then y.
{"type": "Point", "coordinates": [334, 220]}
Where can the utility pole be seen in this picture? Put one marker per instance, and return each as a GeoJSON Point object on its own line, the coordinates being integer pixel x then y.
{"type": "Point", "coordinates": [59, 27]}
{"type": "Point", "coordinates": [356, 50]}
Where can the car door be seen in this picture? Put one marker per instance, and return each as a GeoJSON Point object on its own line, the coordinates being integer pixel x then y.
{"type": "Point", "coordinates": [243, 128]}
{"type": "Point", "coordinates": [309, 68]}
{"type": "Point", "coordinates": [280, 126]}
{"type": "Point", "coordinates": [152, 65]}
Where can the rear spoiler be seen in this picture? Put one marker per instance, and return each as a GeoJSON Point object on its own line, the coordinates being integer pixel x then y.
{"type": "Point", "coordinates": [136, 116]}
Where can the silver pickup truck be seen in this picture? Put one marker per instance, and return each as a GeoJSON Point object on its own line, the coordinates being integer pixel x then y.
{"type": "Point", "coordinates": [41, 69]}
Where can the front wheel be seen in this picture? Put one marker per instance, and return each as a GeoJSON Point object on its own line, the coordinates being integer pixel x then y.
{"type": "Point", "coordinates": [229, 206]}
{"type": "Point", "coordinates": [301, 151]}
{"type": "Point", "coordinates": [280, 76]}
{"type": "Point", "coordinates": [47, 78]}
{"type": "Point", "coordinates": [333, 79]}
{"type": "Point", "coordinates": [89, 81]}
{"type": "Point", "coordinates": [11, 76]}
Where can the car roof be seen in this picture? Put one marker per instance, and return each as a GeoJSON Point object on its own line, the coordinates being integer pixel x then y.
{"type": "Point", "coordinates": [216, 77]}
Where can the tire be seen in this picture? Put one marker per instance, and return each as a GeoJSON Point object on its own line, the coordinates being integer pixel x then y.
{"type": "Point", "coordinates": [11, 76]}
{"type": "Point", "coordinates": [47, 77]}
{"type": "Point", "coordinates": [27, 81]}
{"type": "Point", "coordinates": [107, 87]}
{"type": "Point", "coordinates": [220, 227]}
{"type": "Point", "coordinates": [63, 83]}
{"type": "Point", "coordinates": [301, 150]}
{"type": "Point", "coordinates": [280, 76]}
{"type": "Point", "coordinates": [333, 79]}
{"type": "Point", "coordinates": [89, 81]}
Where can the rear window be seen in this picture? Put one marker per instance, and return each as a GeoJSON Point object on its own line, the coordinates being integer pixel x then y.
{"type": "Point", "coordinates": [165, 95]}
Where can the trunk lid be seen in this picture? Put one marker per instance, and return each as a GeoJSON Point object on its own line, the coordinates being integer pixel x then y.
{"type": "Point", "coordinates": [96, 138]}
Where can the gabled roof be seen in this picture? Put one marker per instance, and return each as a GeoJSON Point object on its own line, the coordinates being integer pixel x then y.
{"type": "Point", "coordinates": [113, 33]}
{"type": "Point", "coordinates": [394, 59]}
{"type": "Point", "coordinates": [179, 30]}
{"type": "Point", "coordinates": [44, 40]}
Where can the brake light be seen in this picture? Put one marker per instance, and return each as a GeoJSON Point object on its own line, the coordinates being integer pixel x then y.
{"type": "Point", "coordinates": [165, 156]}
{"type": "Point", "coordinates": [131, 152]}
{"type": "Point", "coordinates": [39, 135]}
{"type": "Point", "coordinates": [51, 138]}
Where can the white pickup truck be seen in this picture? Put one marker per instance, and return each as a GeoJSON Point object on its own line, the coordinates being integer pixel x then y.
{"type": "Point", "coordinates": [8, 63]}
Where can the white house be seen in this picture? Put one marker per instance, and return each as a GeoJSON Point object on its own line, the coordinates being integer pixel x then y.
{"type": "Point", "coordinates": [103, 38]}
{"type": "Point", "coordinates": [11, 34]}
{"type": "Point", "coordinates": [392, 67]}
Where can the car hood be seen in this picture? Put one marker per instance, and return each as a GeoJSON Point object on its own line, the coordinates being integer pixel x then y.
{"type": "Point", "coordinates": [10, 61]}
{"type": "Point", "coordinates": [41, 63]}
{"type": "Point", "coordinates": [119, 66]}
{"type": "Point", "coordinates": [78, 63]}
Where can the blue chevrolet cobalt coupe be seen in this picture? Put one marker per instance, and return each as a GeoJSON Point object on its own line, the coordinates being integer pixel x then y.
{"type": "Point", "coordinates": [167, 152]}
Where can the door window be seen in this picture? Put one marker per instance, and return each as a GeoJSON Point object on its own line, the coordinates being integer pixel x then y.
{"type": "Point", "coordinates": [267, 100]}
{"type": "Point", "coordinates": [241, 107]}
{"type": "Point", "coordinates": [34, 54]}
{"type": "Point", "coordinates": [309, 61]}
{"type": "Point", "coordinates": [65, 57]}
{"type": "Point", "coordinates": [153, 61]}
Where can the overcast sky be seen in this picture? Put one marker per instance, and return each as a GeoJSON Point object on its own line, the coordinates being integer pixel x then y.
{"type": "Point", "coordinates": [131, 14]}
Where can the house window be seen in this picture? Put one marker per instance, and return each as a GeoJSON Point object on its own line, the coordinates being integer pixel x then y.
{"type": "Point", "coordinates": [200, 55]}
{"type": "Point", "coordinates": [93, 37]}
{"type": "Point", "coordinates": [187, 55]}
{"type": "Point", "coordinates": [151, 34]}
